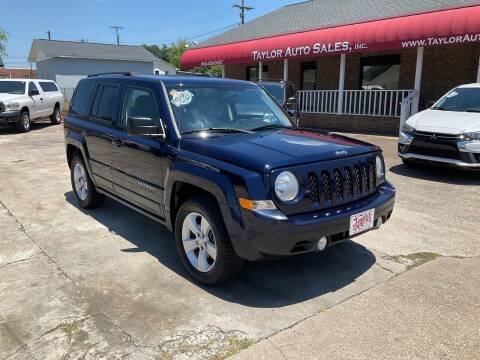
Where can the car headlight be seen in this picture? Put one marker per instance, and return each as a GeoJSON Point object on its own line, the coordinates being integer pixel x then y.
{"type": "Point", "coordinates": [12, 106]}
{"type": "Point", "coordinates": [286, 186]}
{"type": "Point", "coordinates": [407, 129]}
{"type": "Point", "coordinates": [471, 136]}
{"type": "Point", "coordinates": [380, 169]}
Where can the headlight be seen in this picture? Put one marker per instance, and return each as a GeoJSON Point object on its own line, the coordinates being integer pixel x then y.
{"type": "Point", "coordinates": [407, 129]}
{"type": "Point", "coordinates": [472, 136]}
{"type": "Point", "coordinates": [12, 106]}
{"type": "Point", "coordinates": [380, 168]}
{"type": "Point", "coordinates": [286, 186]}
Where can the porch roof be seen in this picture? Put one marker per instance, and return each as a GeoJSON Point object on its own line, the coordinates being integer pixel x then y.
{"type": "Point", "coordinates": [433, 28]}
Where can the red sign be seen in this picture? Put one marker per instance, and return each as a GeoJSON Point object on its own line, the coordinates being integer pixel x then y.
{"type": "Point", "coordinates": [436, 28]}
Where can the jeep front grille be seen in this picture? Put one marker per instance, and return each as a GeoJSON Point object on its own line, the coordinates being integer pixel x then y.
{"type": "Point", "coordinates": [341, 185]}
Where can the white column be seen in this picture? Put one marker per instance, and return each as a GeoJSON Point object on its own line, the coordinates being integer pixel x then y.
{"type": "Point", "coordinates": [285, 70]}
{"type": "Point", "coordinates": [223, 71]}
{"type": "Point", "coordinates": [341, 84]}
{"type": "Point", "coordinates": [418, 80]}
{"type": "Point", "coordinates": [478, 72]}
{"type": "Point", "coordinates": [260, 70]}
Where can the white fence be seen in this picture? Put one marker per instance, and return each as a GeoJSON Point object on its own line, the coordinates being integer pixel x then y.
{"type": "Point", "coordinates": [385, 103]}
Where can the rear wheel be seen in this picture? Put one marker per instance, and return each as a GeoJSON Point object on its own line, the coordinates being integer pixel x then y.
{"type": "Point", "coordinates": [82, 185]}
{"type": "Point", "coordinates": [203, 243]}
{"type": "Point", "coordinates": [23, 124]}
{"type": "Point", "coordinates": [55, 118]}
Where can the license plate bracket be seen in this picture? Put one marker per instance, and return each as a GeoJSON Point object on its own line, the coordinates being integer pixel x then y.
{"type": "Point", "coordinates": [362, 222]}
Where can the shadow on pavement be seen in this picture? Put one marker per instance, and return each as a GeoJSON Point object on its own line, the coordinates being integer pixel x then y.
{"type": "Point", "coordinates": [11, 130]}
{"type": "Point", "coordinates": [445, 174]}
{"type": "Point", "coordinates": [263, 284]}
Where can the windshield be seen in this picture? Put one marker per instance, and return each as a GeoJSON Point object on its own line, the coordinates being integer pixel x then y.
{"type": "Point", "coordinates": [220, 106]}
{"type": "Point", "coordinates": [276, 90]}
{"type": "Point", "coordinates": [12, 87]}
{"type": "Point", "coordinates": [460, 99]}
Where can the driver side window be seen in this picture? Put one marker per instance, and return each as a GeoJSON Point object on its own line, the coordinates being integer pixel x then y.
{"type": "Point", "coordinates": [139, 102]}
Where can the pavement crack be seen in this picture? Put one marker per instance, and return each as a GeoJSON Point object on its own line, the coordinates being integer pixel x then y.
{"type": "Point", "coordinates": [50, 258]}
{"type": "Point", "coordinates": [276, 347]}
{"type": "Point", "coordinates": [18, 261]}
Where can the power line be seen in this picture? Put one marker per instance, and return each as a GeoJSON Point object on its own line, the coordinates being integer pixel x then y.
{"type": "Point", "coordinates": [243, 8]}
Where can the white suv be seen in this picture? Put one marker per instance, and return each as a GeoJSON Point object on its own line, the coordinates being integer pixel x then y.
{"type": "Point", "coordinates": [25, 100]}
{"type": "Point", "coordinates": [447, 133]}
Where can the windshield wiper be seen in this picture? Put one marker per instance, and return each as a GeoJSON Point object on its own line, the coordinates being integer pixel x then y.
{"type": "Point", "coordinates": [271, 126]}
{"type": "Point", "coordinates": [214, 129]}
{"type": "Point", "coordinates": [439, 108]}
{"type": "Point", "coordinates": [472, 110]}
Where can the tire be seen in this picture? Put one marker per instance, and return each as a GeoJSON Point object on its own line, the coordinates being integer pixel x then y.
{"type": "Point", "coordinates": [226, 264]}
{"type": "Point", "coordinates": [23, 124]}
{"type": "Point", "coordinates": [83, 188]}
{"type": "Point", "coordinates": [56, 117]}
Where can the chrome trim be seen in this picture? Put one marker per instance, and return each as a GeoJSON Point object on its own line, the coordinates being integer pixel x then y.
{"type": "Point", "coordinates": [271, 214]}
{"type": "Point", "coordinates": [438, 159]}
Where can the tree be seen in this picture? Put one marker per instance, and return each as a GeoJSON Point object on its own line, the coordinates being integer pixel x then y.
{"type": "Point", "coordinates": [3, 41]}
{"type": "Point", "coordinates": [172, 53]}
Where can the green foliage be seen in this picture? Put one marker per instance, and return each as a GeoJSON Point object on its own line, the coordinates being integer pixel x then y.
{"type": "Point", "coordinates": [3, 41]}
{"type": "Point", "coordinates": [172, 53]}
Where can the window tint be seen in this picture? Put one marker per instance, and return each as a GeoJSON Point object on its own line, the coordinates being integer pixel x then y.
{"type": "Point", "coordinates": [12, 87]}
{"type": "Point", "coordinates": [32, 86]}
{"type": "Point", "coordinates": [48, 86]}
{"type": "Point", "coordinates": [105, 100]}
{"type": "Point", "coordinates": [381, 73]}
{"type": "Point", "coordinates": [139, 103]}
{"type": "Point", "coordinates": [81, 99]}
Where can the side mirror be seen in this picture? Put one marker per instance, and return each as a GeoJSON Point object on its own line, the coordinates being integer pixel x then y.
{"type": "Point", "coordinates": [33, 92]}
{"type": "Point", "coordinates": [143, 126]}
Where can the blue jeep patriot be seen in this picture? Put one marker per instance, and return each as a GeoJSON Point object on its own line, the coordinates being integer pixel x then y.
{"type": "Point", "coordinates": [223, 166]}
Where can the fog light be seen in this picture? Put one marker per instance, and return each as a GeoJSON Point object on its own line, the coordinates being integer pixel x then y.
{"type": "Point", "coordinates": [322, 243]}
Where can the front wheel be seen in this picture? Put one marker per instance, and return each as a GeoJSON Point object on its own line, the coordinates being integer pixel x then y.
{"type": "Point", "coordinates": [203, 243]}
{"type": "Point", "coordinates": [82, 185]}
{"type": "Point", "coordinates": [23, 124]}
{"type": "Point", "coordinates": [56, 117]}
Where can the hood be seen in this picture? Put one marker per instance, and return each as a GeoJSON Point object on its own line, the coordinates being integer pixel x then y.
{"type": "Point", "coordinates": [445, 122]}
{"type": "Point", "coordinates": [264, 151]}
{"type": "Point", "coordinates": [10, 97]}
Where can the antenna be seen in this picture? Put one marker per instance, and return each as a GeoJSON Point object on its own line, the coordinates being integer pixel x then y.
{"type": "Point", "coordinates": [117, 29]}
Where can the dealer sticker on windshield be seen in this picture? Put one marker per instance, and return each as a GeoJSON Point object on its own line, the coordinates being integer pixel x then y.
{"type": "Point", "coordinates": [362, 221]}
{"type": "Point", "coordinates": [180, 98]}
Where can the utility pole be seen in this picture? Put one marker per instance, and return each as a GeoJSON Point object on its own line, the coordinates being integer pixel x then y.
{"type": "Point", "coordinates": [49, 33]}
{"type": "Point", "coordinates": [117, 28]}
{"type": "Point", "coordinates": [243, 8]}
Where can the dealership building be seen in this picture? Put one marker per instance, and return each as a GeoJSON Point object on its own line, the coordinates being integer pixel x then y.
{"type": "Point", "coordinates": [358, 65]}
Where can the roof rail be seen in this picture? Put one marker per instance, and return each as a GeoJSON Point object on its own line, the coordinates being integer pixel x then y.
{"type": "Point", "coordinates": [124, 73]}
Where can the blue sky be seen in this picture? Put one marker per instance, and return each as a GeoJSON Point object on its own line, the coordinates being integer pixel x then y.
{"type": "Point", "coordinates": [144, 21]}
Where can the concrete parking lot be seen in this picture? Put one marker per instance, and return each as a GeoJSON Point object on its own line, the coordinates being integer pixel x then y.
{"type": "Point", "coordinates": [107, 283]}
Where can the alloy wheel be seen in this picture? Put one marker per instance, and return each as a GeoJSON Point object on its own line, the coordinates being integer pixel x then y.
{"type": "Point", "coordinates": [199, 242]}
{"type": "Point", "coordinates": [80, 180]}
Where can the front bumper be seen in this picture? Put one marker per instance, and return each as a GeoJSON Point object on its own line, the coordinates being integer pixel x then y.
{"type": "Point", "coordinates": [9, 117]}
{"type": "Point", "coordinates": [442, 150]}
{"type": "Point", "coordinates": [263, 237]}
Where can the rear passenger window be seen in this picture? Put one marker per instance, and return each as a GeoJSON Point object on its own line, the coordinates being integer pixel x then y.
{"type": "Point", "coordinates": [81, 99]}
{"type": "Point", "coordinates": [105, 101]}
{"type": "Point", "coordinates": [139, 102]}
{"type": "Point", "coordinates": [48, 86]}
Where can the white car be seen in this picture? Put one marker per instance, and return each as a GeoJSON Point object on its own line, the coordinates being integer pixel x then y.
{"type": "Point", "coordinates": [447, 133]}
{"type": "Point", "coordinates": [25, 100]}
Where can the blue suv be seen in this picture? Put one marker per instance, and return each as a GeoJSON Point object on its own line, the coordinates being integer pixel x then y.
{"type": "Point", "coordinates": [223, 166]}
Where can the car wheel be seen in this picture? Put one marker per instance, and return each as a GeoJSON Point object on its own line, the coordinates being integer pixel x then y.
{"type": "Point", "coordinates": [203, 243]}
{"type": "Point", "coordinates": [82, 185]}
{"type": "Point", "coordinates": [56, 117]}
{"type": "Point", "coordinates": [23, 124]}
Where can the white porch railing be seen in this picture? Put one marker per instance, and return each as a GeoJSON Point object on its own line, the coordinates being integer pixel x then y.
{"type": "Point", "coordinates": [385, 103]}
